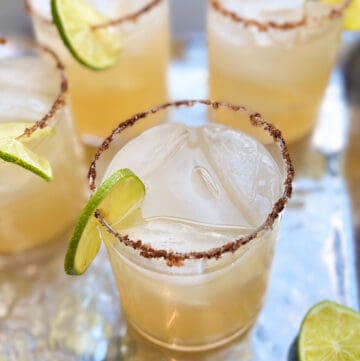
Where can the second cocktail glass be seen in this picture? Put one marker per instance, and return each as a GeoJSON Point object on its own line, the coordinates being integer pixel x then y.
{"type": "Point", "coordinates": [192, 263]}
{"type": "Point", "coordinates": [138, 80]}
{"type": "Point", "coordinates": [275, 56]}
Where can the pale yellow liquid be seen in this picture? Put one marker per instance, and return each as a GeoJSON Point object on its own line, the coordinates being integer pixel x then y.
{"type": "Point", "coordinates": [205, 186]}
{"type": "Point", "coordinates": [102, 99]}
{"type": "Point", "coordinates": [195, 311]}
{"type": "Point", "coordinates": [35, 212]}
{"type": "Point", "coordinates": [282, 79]}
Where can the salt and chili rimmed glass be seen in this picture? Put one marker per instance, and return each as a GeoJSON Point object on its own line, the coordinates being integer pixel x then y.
{"type": "Point", "coordinates": [274, 56]}
{"type": "Point", "coordinates": [177, 296]}
{"type": "Point", "coordinates": [136, 82]}
{"type": "Point", "coordinates": [33, 88]}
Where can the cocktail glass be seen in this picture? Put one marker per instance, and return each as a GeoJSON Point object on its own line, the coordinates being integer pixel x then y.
{"type": "Point", "coordinates": [192, 263]}
{"type": "Point", "coordinates": [138, 80]}
{"type": "Point", "coordinates": [33, 88]}
{"type": "Point", "coordinates": [275, 56]}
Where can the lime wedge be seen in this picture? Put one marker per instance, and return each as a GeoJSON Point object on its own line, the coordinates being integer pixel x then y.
{"type": "Point", "coordinates": [14, 130]}
{"type": "Point", "coordinates": [116, 198]}
{"type": "Point", "coordinates": [95, 48]}
{"type": "Point", "coordinates": [13, 151]}
{"type": "Point", "coordinates": [330, 332]}
{"type": "Point", "coordinates": [352, 14]}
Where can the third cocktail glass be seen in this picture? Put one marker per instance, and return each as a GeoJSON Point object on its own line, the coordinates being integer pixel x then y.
{"type": "Point", "coordinates": [275, 56]}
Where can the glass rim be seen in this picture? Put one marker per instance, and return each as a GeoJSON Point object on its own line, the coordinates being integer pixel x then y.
{"type": "Point", "coordinates": [59, 100]}
{"type": "Point", "coordinates": [334, 12]}
{"type": "Point", "coordinates": [111, 22]}
{"type": "Point", "coordinates": [177, 258]}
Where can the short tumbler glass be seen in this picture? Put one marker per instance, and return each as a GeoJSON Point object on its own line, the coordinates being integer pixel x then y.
{"type": "Point", "coordinates": [196, 300]}
{"type": "Point", "coordinates": [274, 57]}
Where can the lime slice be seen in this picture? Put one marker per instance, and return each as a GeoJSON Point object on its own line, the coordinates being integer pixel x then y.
{"type": "Point", "coordinates": [330, 332]}
{"type": "Point", "coordinates": [116, 198]}
{"type": "Point", "coordinates": [95, 48]}
{"type": "Point", "coordinates": [14, 130]}
{"type": "Point", "coordinates": [13, 151]}
{"type": "Point", "coordinates": [352, 14]}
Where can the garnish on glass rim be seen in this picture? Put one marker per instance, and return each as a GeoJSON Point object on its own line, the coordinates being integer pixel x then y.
{"type": "Point", "coordinates": [15, 135]}
{"type": "Point", "coordinates": [117, 197]}
{"type": "Point", "coordinates": [13, 149]}
{"type": "Point", "coordinates": [97, 48]}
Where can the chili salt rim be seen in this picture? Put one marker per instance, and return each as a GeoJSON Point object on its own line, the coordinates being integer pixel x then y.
{"type": "Point", "coordinates": [59, 101]}
{"type": "Point", "coordinates": [177, 258]}
{"type": "Point", "coordinates": [130, 17]}
{"type": "Point", "coordinates": [334, 12]}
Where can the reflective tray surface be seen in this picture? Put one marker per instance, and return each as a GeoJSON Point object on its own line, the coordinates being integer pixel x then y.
{"type": "Point", "coordinates": [46, 315]}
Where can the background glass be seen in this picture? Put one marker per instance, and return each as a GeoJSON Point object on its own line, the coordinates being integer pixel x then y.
{"type": "Point", "coordinates": [101, 98]}
{"type": "Point", "coordinates": [281, 71]}
{"type": "Point", "coordinates": [35, 211]}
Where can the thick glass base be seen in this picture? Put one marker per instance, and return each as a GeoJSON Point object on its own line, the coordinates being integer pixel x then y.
{"type": "Point", "coordinates": [237, 337]}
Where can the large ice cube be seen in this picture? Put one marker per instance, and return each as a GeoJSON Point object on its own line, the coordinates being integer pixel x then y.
{"type": "Point", "coordinates": [213, 178]}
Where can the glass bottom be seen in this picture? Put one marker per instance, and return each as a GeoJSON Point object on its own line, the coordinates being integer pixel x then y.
{"type": "Point", "coordinates": [238, 336]}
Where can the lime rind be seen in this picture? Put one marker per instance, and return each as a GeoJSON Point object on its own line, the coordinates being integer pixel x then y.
{"type": "Point", "coordinates": [97, 49]}
{"type": "Point", "coordinates": [13, 151]}
{"type": "Point", "coordinates": [116, 197]}
{"type": "Point", "coordinates": [332, 328]}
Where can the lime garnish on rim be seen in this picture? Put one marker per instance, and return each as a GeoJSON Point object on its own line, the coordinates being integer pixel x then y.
{"type": "Point", "coordinates": [96, 48]}
{"type": "Point", "coordinates": [330, 332]}
{"type": "Point", "coordinates": [352, 13]}
{"type": "Point", "coordinates": [13, 150]}
{"type": "Point", "coordinates": [116, 198]}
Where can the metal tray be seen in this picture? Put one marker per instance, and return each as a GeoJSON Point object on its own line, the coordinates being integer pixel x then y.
{"type": "Point", "coordinates": [46, 315]}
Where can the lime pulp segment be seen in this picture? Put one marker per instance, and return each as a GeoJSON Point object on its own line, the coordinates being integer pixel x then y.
{"type": "Point", "coordinates": [116, 198]}
{"type": "Point", "coordinates": [330, 332]}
